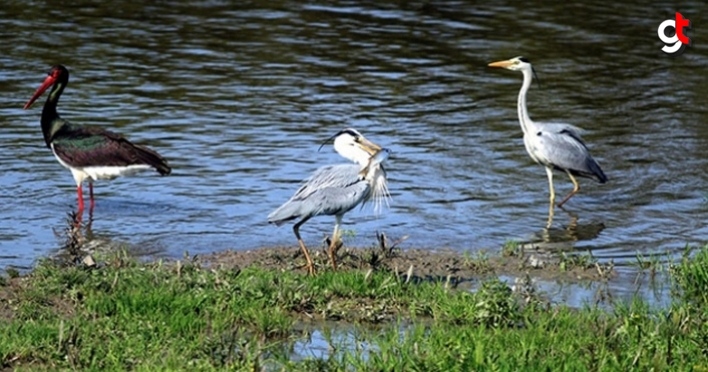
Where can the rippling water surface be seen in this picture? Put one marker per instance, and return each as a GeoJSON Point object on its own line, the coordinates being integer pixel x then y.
{"type": "Point", "coordinates": [239, 95]}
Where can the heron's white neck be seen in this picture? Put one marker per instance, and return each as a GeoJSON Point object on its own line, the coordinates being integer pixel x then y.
{"type": "Point", "coordinates": [524, 118]}
{"type": "Point", "coordinates": [353, 153]}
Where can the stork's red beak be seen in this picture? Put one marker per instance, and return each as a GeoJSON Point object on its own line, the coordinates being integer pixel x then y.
{"type": "Point", "coordinates": [48, 82]}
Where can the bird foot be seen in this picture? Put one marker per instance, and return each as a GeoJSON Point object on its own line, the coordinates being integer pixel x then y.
{"type": "Point", "coordinates": [332, 253]}
{"type": "Point", "coordinates": [335, 247]}
{"type": "Point", "coordinates": [310, 269]}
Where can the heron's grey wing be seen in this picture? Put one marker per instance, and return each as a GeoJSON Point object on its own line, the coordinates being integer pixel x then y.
{"type": "Point", "coordinates": [569, 129]}
{"type": "Point", "coordinates": [336, 200]}
{"type": "Point", "coordinates": [329, 190]}
{"type": "Point", "coordinates": [339, 175]}
{"type": "Point", "coordinates": [566, 152]}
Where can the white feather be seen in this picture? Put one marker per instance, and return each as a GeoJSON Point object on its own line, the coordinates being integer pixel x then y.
{"type": "Point", "coordinates": [100, 172]}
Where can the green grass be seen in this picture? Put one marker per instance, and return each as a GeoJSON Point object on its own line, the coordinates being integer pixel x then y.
{"type": "Point", "coordinates": [511, 248]}
{"type": "Point", "coordinates": [125, 315]}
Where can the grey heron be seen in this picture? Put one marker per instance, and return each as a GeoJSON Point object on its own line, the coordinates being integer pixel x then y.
{"type": "Point", "coordinates": [557, 146]}
{"type": "Point", "coordinates": [334, 190]}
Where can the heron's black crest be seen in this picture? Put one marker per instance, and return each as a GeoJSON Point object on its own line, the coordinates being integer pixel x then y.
{"type": "Point", "coordinates": [348, 131]}
{"type": "Point", "coordinates": [533, 70]}
{"type": "Point", "coordinates": [524, 59]}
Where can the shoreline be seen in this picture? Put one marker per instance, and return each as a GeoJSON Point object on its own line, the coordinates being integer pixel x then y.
{"type": "Point", "coordinates": [421, 263]}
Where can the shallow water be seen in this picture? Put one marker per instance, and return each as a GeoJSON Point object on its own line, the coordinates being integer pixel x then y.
{"type": "Point", "coordinates": [239, 98]}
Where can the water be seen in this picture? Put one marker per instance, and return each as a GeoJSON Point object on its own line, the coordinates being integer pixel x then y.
{"type": "Point", "coordinates": [239, 97]}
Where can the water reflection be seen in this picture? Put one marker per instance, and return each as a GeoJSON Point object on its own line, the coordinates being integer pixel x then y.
{"type": "Point", "coordinates": [73, 235]}
{"type": "Point", "coordinates": [79, 242]}
{"type": "Point", "coordinates": [563, 238]}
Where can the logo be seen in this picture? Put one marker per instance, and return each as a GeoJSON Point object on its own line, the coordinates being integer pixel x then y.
{"type": "Point", "coordinates": [676, 43]}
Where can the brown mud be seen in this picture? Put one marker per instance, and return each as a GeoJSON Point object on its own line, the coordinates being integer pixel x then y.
{"type": "Point", "coordinates": [422, 264]}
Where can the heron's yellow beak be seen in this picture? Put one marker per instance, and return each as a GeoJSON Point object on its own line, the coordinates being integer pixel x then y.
{"type": "Point", "coordinates": [368, 146]}
{"type": "Point", "coordinates": [502, 64]}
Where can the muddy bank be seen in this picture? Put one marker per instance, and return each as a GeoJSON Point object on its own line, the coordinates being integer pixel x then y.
{"type": "Point", "coordinates": [423, 264]}
{"type": "Point", "coordinates": [451, 265]}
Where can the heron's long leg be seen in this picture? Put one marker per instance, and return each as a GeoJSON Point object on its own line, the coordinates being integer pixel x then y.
{"type": "Point", "coordinates": [550, 217]}
{"type": "Point", "coordinates": [549, 172]}
{"type": "Point", "coordinates": [310, 267]}
{"type": "Point", "coordinates": [551, 206]}
{"type": "Point", "coordinates": [576, 188]}
{"type": "Point", "coordinates": [335, 241]}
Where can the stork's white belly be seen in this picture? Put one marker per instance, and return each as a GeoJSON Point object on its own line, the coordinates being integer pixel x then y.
{"type": "Point", "coordinates": [100, 172]}
{"type": "Point", "coordinates": [110, 172]}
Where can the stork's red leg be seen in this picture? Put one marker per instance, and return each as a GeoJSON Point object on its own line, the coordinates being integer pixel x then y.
{"type": "Point", "coordinates": [93, 203]}
{"type": "Point", "coordinates": [80, 193]}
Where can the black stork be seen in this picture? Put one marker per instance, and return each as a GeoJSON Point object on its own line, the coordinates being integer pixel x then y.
{"type": "Point", "coordinates": [90, 153]}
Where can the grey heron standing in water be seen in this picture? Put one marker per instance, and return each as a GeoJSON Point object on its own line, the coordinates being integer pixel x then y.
{"type": "Point", "coordinates": [334, 190]}
{"type": "Point", "coordinates": [555, 145]}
